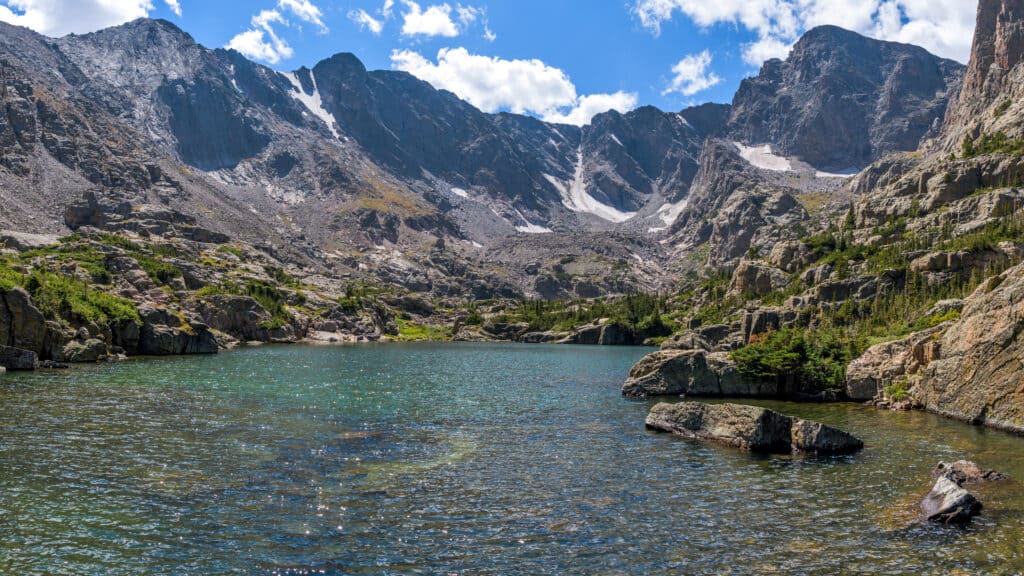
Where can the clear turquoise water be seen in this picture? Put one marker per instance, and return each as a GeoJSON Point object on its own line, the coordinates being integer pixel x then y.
{"type": "Point", "coordinates": [455, 459]}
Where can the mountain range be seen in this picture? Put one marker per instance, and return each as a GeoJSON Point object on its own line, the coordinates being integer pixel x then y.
{"type": "Point", "coordinates": [323, 161]}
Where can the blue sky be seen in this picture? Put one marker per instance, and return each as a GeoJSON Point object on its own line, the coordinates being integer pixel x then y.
{"type": "Point", "coordinates": [563, 60]}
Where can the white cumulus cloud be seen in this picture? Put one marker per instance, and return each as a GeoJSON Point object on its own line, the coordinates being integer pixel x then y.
{"type": "Point", "coordinates": [174, 6]}
{"type": "Point", "coordinates": [434, 21]}
{"type": "Point", "coordinates": [586, 107]}
{"type": "Point", "coordinates": [520, 86]}
{"type": "Point", "coordinates": [366, 21]}
{"type": "Point", "coordinates": [944, 27]}
{"type": "Point", "coordinates": [262, 42]}
{"type": "Point", "coordinates": [304, 10]}
{"type": "Point", "coordinates": [692, 75]}
{"type": "Point", "coordinates": [61, 17]}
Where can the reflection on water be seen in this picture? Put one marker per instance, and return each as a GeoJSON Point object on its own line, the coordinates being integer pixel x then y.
{"type": "Point", "coordinates": [476, 459]}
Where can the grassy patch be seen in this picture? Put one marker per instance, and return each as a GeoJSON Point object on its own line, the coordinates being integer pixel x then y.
{"type": "Point", "coordinates": [409, 331]}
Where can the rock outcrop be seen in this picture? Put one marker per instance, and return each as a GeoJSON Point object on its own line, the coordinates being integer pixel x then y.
{"type": "Point", "coordinates": [750, 428]}
{"type": "Point", "coordinates": [692, 373]}
{"type": "Point", "coordinates": [756, 278]}
{"type": "Point", "coordinates": [22, 325]}
{"type": "Point", "coordinates": [891, 362]}
{"type": "Point", "coordinates": [976, 374]}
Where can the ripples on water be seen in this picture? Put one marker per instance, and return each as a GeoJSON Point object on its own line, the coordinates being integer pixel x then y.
{"type": "Point", "coordinates": [467, 459]}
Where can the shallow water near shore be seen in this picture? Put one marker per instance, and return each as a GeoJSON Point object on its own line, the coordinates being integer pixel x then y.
{"type": "Point", "coordinates": [456, 459]}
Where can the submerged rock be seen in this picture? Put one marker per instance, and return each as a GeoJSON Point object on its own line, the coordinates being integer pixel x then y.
{"type": "Point", "coordinates": [750, 428]}
{"type": "Point", "coordinates": [965, 471]}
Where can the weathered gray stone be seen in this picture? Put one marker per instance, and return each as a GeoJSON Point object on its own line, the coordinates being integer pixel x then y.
{"type": "Point", "coordinates": [22, 325]}
{"type": "Point", "coordinates": [966, 471]}
{"type": "Point", "coordinates": [22, 241]}
{"type": "Point", "coordinates": [750, 428]}
{"type": "Point", "coordinates": [18, 359]}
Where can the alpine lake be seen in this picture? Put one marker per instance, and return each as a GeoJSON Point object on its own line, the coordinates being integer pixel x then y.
{"type": "Point", "coordinates": [457, 459]}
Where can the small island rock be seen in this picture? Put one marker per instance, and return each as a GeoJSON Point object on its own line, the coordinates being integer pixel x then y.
{"type": "Point", "coordinates": [750, 428]}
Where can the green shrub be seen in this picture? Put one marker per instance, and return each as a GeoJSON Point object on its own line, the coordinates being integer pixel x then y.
{"type": "Point", "coordinates": [897, 391]}
{"type": "Point", "coordinates": [157, 270]}
{"type": "Point", "coordinates": [64, 297]}
{"type": "Point", "coordinates": [816, 361]}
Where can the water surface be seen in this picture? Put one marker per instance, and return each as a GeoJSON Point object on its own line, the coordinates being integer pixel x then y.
{"type": "Point", "coordinates": [455, 459]}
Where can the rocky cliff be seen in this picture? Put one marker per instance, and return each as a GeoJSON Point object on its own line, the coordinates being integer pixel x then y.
{"type": "Point", "coordinates": [989, 101]}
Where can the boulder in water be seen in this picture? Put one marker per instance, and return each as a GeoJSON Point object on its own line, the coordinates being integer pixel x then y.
{"type": "Point", "coordinates": [949, 502]}
{"type": "Point", "coordinates": [750, 428]}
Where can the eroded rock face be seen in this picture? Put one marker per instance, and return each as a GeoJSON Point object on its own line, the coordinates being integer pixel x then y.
{"type": "Point", "coordinates": [750, 428]}
{"type": "Point", "coordinates": [691, 373]}
{"type": "Point", "coordinates": [994, 76]}
{"type": "Point", "coordinates": [884, 364]}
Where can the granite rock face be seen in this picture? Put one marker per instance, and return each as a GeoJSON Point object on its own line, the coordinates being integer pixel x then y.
{"type": "Point", "coordinates": [978, 376]}
{"type": "Point", "coordinates": [990, 99]}
{"type": "Point", "coordinates": [750, 428]}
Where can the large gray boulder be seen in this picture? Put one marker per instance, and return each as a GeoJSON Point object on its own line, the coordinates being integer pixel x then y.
{"type": "Point", "coordinates": [22, 325]}
{"type": "Point", "coordinates": [18, 359]}
{"type": "Point", "coordinates": [750, 428]}
{"type": "Point", "coordinates": [692, 373]}
{"type": "Point", "coordinates": [164, 334]}
{"type": "Point", "coordinates": [949, 502]}
{"type": "Point", "coordinates": [238, 316]}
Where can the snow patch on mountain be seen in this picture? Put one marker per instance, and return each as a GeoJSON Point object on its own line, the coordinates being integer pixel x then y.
{"type": "Point", "coordinates": [762, 157]}
{"type": "Point", "coordinates": [313, 102]}
{"type": "Point", "coordinates": [576, 198]}
{"type": "Point", "coordinates": [460, 192]}
{"type": "Point", "coordinates": [669, 212]}
{"type": "Point", "coordinates": [529, 227]}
